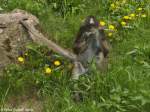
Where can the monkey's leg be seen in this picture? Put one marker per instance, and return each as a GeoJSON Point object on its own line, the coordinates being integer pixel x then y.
{"type": "Point", "coordinates": [101, 62]}
{"type": "Point", "coordinates": [78, 70]}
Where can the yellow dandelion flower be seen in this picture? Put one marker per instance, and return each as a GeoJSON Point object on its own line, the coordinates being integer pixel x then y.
{"type": "Point", "coordinates": [110, 34]}
{"type": "Point", "coordinates": [123, 23]}
{"type": "Point", "coordinates": [140, 9]}
{"type": "Point", "coordinates": [111, 27]}
{"type": "Point", "coordinates": [112, 5]}
{"type": "Point", "coordinates": [143, 15]}
{"type": "Point", "coordinates": [21, 59]}
{"type": "Point", "coordinates": [102, 23]}
{"type": "Point", "coordinates": [132, 15]}
{"type": "Point", "coordinates": [57, 63]}
{"type": "Point", "coordinates": [126, 17]}
{"type": "Point", "coordinates": [48, 70]}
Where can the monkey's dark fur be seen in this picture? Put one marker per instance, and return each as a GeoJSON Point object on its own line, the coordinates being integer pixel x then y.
{"type": "Point", "coordinates": [91, 43]}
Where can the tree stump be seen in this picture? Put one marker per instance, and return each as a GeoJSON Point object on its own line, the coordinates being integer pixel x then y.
{"type": "Point", "coordinates": [13, 36]}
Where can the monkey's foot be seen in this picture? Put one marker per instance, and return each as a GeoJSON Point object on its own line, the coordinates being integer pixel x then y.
{"type": "Point", "coordinates": [77, 96]}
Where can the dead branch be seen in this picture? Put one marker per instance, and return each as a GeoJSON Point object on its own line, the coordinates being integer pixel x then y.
{"type": "Point", "coordinates": [40, 39]}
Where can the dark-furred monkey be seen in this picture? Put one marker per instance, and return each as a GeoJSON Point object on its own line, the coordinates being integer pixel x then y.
{"type": "Point", "coordinates": [90, 43]}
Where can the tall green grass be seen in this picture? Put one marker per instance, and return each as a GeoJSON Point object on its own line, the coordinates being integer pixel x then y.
{"type": "Point", "coordinates": [125, 87]}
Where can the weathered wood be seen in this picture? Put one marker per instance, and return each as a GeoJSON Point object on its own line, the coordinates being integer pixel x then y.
{"type": "Point", "coordinates": [16, 16]}
{"type": "Point", "coordinates": [42, 40]}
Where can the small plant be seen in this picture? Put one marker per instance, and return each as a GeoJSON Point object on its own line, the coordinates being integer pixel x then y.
{"type": "Point", "coordinates": [40, 58]}
{"type": "Point", "coordinates": [67, 7]}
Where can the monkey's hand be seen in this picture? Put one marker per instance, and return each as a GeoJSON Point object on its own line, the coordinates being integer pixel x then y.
{"type": "Point", "coordinates": [101, 62]}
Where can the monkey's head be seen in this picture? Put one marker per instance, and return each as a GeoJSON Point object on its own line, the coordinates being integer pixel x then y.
{"type": "Point", "coordinates": [91, 21]}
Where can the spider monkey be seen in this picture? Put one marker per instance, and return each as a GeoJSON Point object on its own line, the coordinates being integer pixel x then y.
{"type": "Point", "coordinates": [91, 43]}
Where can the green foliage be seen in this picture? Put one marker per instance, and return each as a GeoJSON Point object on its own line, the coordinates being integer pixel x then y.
{"type": "Point", "coordinates": [123, 88]}
{"type": "Point", "coordinates": [67, 7]}
{"type": "Point", "coordinates": [35, 6]}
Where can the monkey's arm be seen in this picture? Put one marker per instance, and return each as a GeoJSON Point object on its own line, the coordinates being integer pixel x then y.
{"type": "Point", "coordinates": [80, 43]}
{"type": "Point", "coordinates": [104, 43]}
{"type": "Point", "coordinates": [79, 47]}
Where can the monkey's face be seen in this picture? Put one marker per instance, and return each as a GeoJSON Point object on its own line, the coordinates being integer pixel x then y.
{"type": "Point", "coordinates": [86, 35]}
{"type": "Point", "coordinates": [91, 21]}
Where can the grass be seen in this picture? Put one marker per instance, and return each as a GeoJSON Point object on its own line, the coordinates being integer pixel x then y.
{"type": "Point", "coordinates": [125, 87]}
